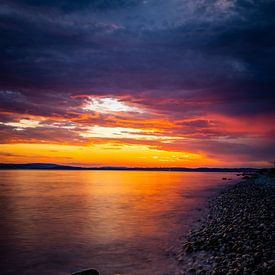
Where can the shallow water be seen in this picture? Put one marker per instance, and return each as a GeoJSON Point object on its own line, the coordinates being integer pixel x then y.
{"type": "Point", "coordinates": [57, 222]}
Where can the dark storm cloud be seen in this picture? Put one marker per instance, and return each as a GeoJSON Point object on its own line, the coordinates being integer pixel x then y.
{"type": "Point", "coordinates": [223, 47]}
{"type": "Point", "coordinates": [39, 104]}
{"type": "Point", "coordinates": [72, 5]}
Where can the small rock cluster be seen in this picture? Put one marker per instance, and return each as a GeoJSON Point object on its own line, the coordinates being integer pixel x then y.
{"type": "Point", "coordinates": [237, 237]}
{"type": "Point", "coordinates": [90, 271]}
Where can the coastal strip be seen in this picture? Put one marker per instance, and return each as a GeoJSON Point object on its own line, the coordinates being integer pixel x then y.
{"type": "Point", "coordinates": [237, 236]}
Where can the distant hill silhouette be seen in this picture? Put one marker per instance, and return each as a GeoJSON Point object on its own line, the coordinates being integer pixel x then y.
{"type": "Point", "coordinates": [52, 166]}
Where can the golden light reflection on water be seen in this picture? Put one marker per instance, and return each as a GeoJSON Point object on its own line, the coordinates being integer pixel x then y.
{"type": "Point", "coordinates": [104, 219]}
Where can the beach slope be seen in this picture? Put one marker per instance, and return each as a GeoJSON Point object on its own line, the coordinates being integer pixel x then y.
{"type": "Point", "coordinates": [236, 236]}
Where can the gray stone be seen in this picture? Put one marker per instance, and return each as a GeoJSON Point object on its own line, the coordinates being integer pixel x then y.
{"type": "Point", "coordinates": [90, 271]}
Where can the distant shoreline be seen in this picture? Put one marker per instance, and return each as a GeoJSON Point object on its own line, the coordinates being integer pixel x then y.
{"type": "Point", "coordinates": [50, 166]}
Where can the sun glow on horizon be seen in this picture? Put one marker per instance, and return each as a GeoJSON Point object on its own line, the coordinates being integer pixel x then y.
{"type": "Point", "coordinates": [108, 154]}
{"type": "Point", "coordinates": [108, 131]}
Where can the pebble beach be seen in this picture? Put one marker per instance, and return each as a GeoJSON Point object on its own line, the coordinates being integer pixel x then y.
{"type": "Point", "coordinates": [237, 234]}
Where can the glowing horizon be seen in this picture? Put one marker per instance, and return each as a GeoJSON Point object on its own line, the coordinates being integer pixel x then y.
{"type": "Point", "coordinates": [123, 139]}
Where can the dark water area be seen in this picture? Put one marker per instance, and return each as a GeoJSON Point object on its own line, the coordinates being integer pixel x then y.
{"type": "Point", "coordinates": [119, 222]}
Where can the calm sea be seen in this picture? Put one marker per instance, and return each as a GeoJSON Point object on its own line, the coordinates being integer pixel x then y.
{"type": "Point", "coordinates": [119, 222]}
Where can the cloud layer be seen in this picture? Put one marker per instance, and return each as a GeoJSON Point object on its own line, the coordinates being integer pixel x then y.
{"type": "Point", "coordinates": [202, 72]}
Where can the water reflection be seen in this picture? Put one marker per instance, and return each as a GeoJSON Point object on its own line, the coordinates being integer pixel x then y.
{"type": "Point", "coordinates": [54, 222]}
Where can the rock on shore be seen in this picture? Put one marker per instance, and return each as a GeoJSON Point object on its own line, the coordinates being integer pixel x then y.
{"type": "Point", "coordinates": [237, 237]}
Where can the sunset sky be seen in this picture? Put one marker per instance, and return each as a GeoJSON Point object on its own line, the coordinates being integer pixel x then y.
{"type": "Point", "coordinates": [182, 83]}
